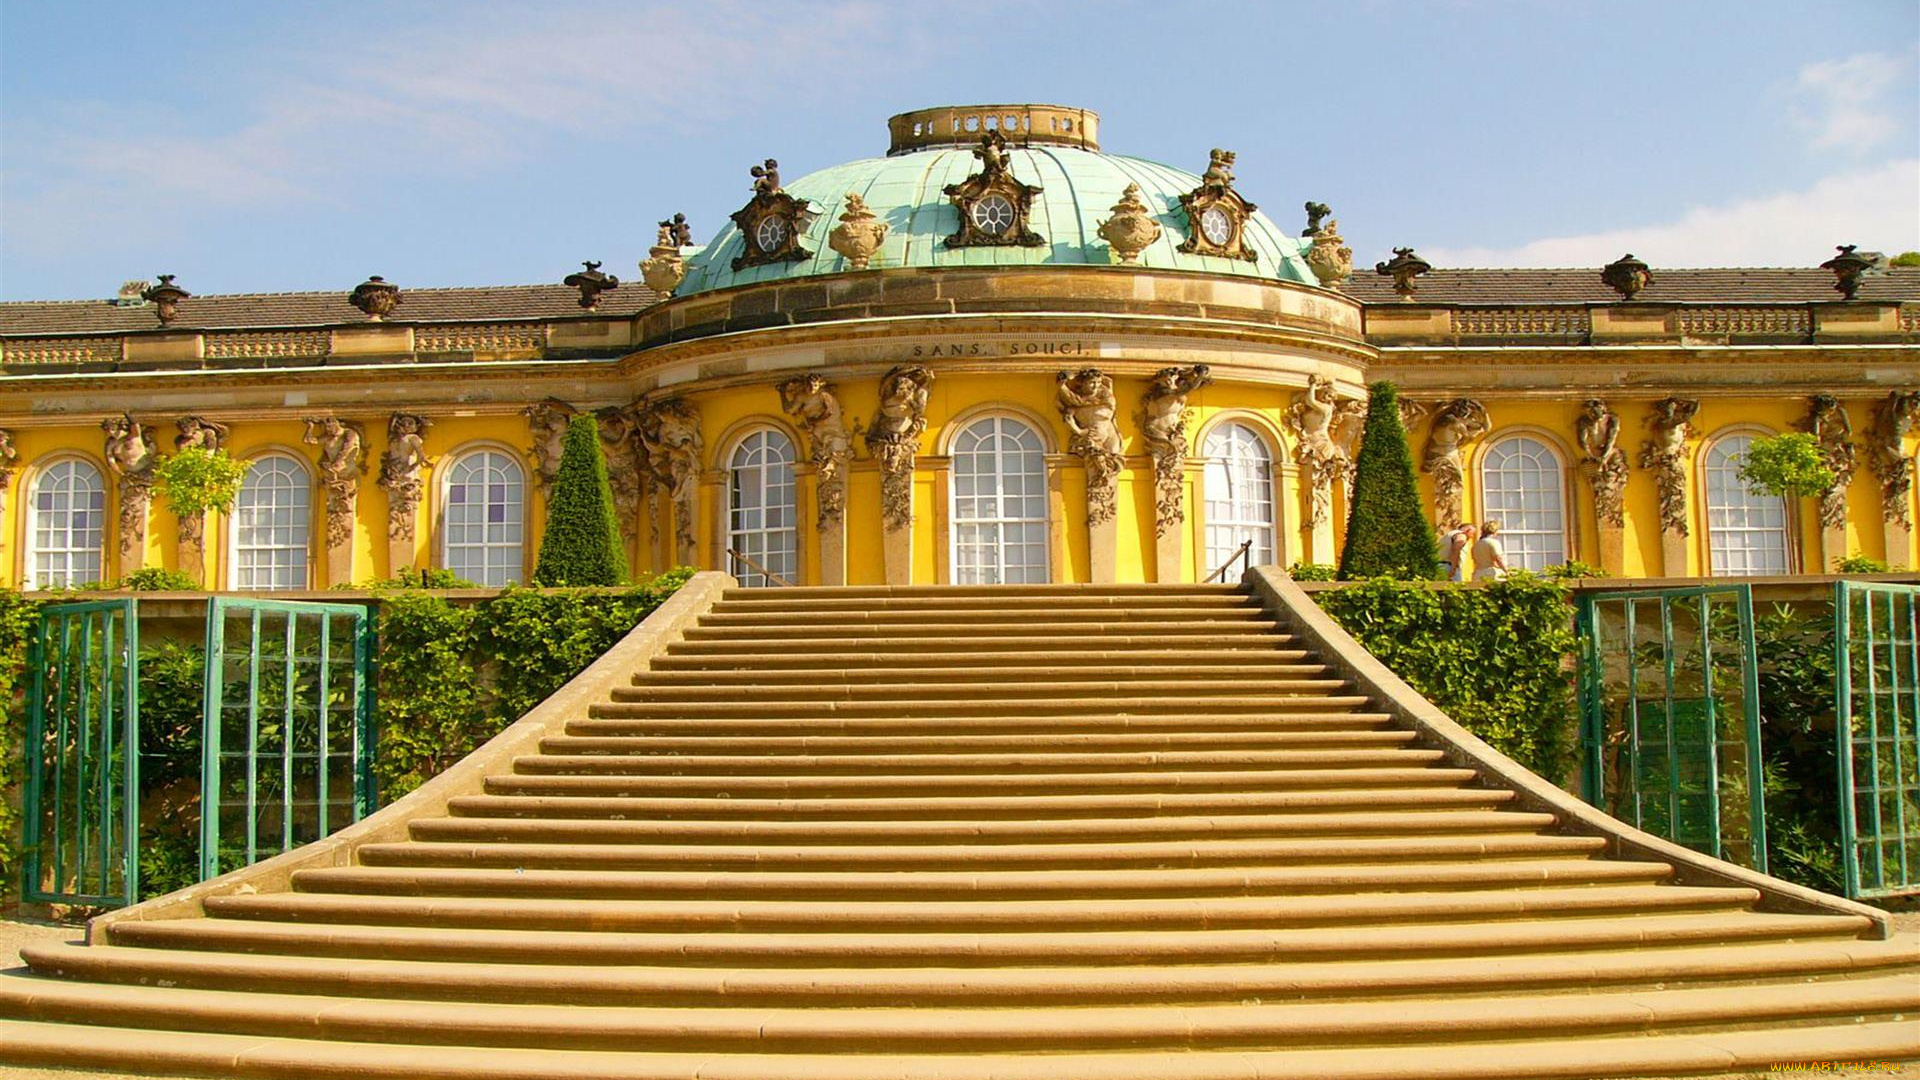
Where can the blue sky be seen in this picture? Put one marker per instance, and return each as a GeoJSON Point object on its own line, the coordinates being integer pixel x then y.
{"type": "Point", "coordinates": [277, 146]}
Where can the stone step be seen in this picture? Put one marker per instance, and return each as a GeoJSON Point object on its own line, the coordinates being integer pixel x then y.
{"type": "Point", "coordinates": [1096, 687]}
{"type": "Point", "coordinates": [958, 601]}
{"type": "Point", "coordinates": [780, 630]}
{"type": "Point", "coordinates": [635, 702]}
{"type": "Point", "coordinates": [964, 744]}
{"type": "Point", "coordinates": [906, 677]}
{"type": "Point", "coordinates": [1532, 1059]}
{"type": "Point", "coordinates": [1359, 877]}
{"type": "Point", "coordinates": [1347, 718]}
{"type": "Point", "coordinates": [1001, 916]}
{"type": "Point", "coordinates": [936, 593]}
{"type": "Point", "coordinates": [1027, 784]}
{"type": "Point", "coordinates": [1124, 619]}
{"type": "Point", "coordinates": [1171, 660]}
{"type": "Point", "coordinates": [1381, 985]}
{"type": "Point", "coordinates": [1008, 764]}
{"type": "Point", "coordinates": [935, 1030]}
{"type": "Point", "coordinates": [577, 831]}
{"type": "Point", "coordinates": [938, 949]}
{"type": "Point", "coordinates": [1520, 843]}
{"type": "Point", "coordinates": [714, 642]}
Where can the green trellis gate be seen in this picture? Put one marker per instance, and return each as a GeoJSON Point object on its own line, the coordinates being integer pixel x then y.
{"type": "Point", "coordinates": [1670, 717]}
{"type": "Point", "coordinates": [286, 757]}
{"type": "Point", "coordinates": [1876, 676]}
{"type": "Point", "coordinates": [82, 800]}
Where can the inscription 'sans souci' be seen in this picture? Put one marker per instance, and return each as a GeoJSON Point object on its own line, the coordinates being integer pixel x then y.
{"type": "Point", "coordinates": [1006, 348]}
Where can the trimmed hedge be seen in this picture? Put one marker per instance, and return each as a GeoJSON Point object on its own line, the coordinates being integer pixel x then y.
{"type": "Point", "coordinates": [1387, 531]}
{"type": "Point", "coordinates": [1496, 657]}
{"type": "Point", "coordinates": [582, 541]}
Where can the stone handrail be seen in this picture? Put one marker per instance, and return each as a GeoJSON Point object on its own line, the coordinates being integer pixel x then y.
{"type": "Point", "coordinates": [1351, 659]}
{"type": "Point", "coordinates": [391, 824]}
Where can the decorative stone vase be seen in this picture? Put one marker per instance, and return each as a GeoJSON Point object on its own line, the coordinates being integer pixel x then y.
{"type": "Point", "coordinates": [1131, 229]}
{"type": "Point", "coordinates": [859, 233]}
{"type": "Point", "coordinates": [1330, 259]}
{"type": "Point", "coordinates": [664, 269]}
{"type": "Point", "coordinates": [376, 296]}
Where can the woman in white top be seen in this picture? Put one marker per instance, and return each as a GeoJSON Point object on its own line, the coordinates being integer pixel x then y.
{"type": "Point", "coordinates": [1458, 540]}
{"type": "Point", "coordinates": [1489, 554]}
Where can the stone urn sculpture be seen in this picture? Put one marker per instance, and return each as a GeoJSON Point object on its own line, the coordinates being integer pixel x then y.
{"type": "Point", "coordinates": [1330, 259]}
{"type": "Point", "coordinates": [1131, 228]}
{"type": "Point", "coordinates": [663, 270]}
{"type": "Point", "coordinates": [859, 233]}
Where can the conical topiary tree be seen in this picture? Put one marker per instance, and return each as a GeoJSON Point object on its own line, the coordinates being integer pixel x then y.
{"type": "Point", "coordinates": [582, 542]}
{"type": "Point", "coordinates": [1387, 532]}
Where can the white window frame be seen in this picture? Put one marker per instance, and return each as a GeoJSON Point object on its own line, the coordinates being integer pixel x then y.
{"type": "Point", "coordinates": [1224, 531]}
{"type": "Point", "coordinates": [34, 552]}
{"type": "Point", "coordinates": [985, 561]}
{"type": "Point", "coordinates": [1529, 545]}
{"type": "Point", "coordinates": [515, 520]}
{"type": "Point", "coordinates": [302, 524]}
{"type": "Point", "coordinates": [1730, 527]}
{"type": "Point", "coordinates": [763, 459]}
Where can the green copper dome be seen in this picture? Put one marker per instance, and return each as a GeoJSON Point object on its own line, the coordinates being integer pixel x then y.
{"type": "Point", "coordinates": [1079, 187]}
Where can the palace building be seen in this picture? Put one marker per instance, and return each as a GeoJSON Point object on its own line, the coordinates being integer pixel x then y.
{"type": "Point", "coordinates": [997, 353]}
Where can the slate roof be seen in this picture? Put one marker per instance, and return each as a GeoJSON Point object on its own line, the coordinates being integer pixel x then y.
{"type": "Point", "coordinates": [510, 303]}
{"type": "Point", "coordinates": [493, 303]}
{"type": "Point", "coordinates": [1740, 285]}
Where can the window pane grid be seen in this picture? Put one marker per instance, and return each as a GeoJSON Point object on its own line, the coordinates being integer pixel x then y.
{"type": "Point", "coordinates": [1521, 484]}
{"type": "Point", "coordinates": [67, 513]}
{"type": "Point", "coordinates": [271, 524]}
{"type": "Point", "coordinates": [1237, 487]}
{"type": "Point", "coordinates": [999, 504]}
{"type": "Point", "coordinates": [1746, 531]}
{"type": "Point", "coordinates": [762, 517]}
{"type": "Point", "coordinates": [485, 518]}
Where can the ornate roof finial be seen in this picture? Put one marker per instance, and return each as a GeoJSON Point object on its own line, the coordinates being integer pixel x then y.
{"type": "Point", "coordinates": [663, 269]}
{"type": "Point", "coordinates": [1131, 229]}
{"type": "Point", "coordinates": [859, 233]}
{"type": "Point", "coordinates": [766, 177]}
{"type": "Point", "coordinates": [1847, 269]}
{"type": "Point", "coordinates": [376, 296]}
{"type": "Point", "coordinates": [1219, 174]}
{"type": "Point", "coordinates": [1316, 213]}
{"type": "Point", "coordinates": [1403, 268]}
{"type": "Point", "coordinates": [1626, 275]}
{"type": "Point", "coordinates": [165, 298]}
{"type": "Point", "coordinates": [591, 283]}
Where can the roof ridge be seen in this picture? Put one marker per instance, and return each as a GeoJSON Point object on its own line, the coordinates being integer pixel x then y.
{"type": "Point", "coordinates": [304, 292]}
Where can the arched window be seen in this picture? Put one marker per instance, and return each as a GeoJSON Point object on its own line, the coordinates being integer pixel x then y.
{"type": "Point", "coordinates": [485, 520]}
{"type": "Point", "coordinates": [1746, 531]}
{"type": "Point", "coordinates": [999, 504]}
{"type": "Point", "coordinates": [761, 519]}
{"type": "Point", "coordinates": [1521, 485]}
{"type": "Point", "coordinates": [66, 525]}
{"type": "Point", "coordinates": [272, 520]}
{"type": "Point", "coordinates": [1238, 488]}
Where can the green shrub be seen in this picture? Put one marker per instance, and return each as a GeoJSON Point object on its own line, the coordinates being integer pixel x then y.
{"type": "Point", "coordinates": [425, 577]}
{"type": "Point", "coordinates": [197, 480]}
{"type": "Point", "coordinates": [1495, 658]}
{"type": "Point", "coordinates": [582, 541]}
{"type": "Point", "coordinates": [17, 621]}
{"type": "Point", "coordinates": [1860, 564]}
{"type": "Point", "coordinates": [1787, 465]}
{"type": "Point", "coordinates": [1573, 570]}
{"type": "Point", "coordinates": [1793, 652]}
{"type": "Point", "coordinates": [1387, 531]}
{"type": "Point", "coordinates": [1306, 571]}
{"type": "Point", "coordinates": [453, 677]}
{"type": "Point", "coordinates": [160, 579]}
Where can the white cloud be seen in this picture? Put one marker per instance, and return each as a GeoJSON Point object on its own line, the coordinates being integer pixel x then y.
{"type": "Point", "coordinates": [1873, 207]}
{"type": "Point", "coordinates": [1840, 101]}
{"type": "Point", "coordinates": [343, 115]}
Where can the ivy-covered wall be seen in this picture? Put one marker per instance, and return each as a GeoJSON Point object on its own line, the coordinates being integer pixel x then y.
{"type": "Point", "coordinates": [1496, 657]}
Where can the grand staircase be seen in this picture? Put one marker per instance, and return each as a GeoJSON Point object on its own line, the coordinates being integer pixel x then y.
{"type": "Point", "coordinates": [1024, 833]}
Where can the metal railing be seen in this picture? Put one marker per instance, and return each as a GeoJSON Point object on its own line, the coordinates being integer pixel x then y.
{"type": "Point", "coordinates": [755, 566]}
{"type": "Point", "coordinates": [1243, 555]}
{"type": "Point", "coordinates": [1877, 735]}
